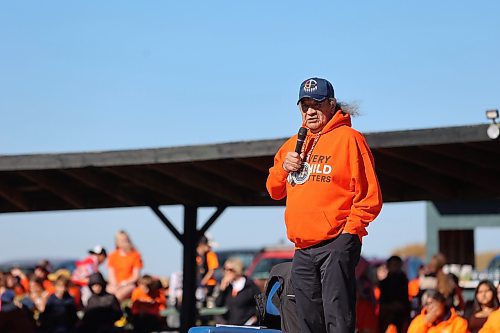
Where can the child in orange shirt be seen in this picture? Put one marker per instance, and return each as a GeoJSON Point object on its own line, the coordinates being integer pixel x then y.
{"type": "Point", "coordinates": [148, 301]}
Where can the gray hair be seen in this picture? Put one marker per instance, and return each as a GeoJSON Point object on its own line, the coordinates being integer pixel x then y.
{"type": "Point", "coordinates": [349, 108]}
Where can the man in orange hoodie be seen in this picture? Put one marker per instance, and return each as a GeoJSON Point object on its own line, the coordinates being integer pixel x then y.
{"type": "Point", "coordinates": [332, 195]}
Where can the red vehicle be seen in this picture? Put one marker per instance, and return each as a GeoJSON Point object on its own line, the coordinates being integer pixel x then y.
{"type": "Point", "coordinates": [263, 261]}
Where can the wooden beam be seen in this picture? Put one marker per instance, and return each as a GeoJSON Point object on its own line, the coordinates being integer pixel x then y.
{"type": "Point", "coordinates": [153, 183]}
{"type": "Point", "coordinates": [427, 136]}
{"type": "Point", "coordinates": [447, 167]}
{"type": "Point", "coordinates": [210, 221]}
{"type": "Point", "coordinates": [468, 154]}
{"type": "Point", "coordinates": [100, 183]}
{"type": "Point", "coordinates": [237, 150]}
{"type": "Point", "coordinates": [490, 147]}
{"type": "Point", "coordinates": [167, 223]}
{"type": "Point", "coordinates": [260, 164]}
{"type": "Point", "coordinates": [410, 174]}
{"type": "Point", "coordinates": [390, 188]}
{"type": "Point", "coordinates": [14, 197]}
{"type": "Point", "coordinates": [196, 180]}
{"type": "Point", "coordinates": [188, 307]}
{"type": "Point", "coordinates": [235, 173]}
{"type": "Point", "coordinates": [56, 187]}
{"type": "Point", "coordinates": [7, 207]}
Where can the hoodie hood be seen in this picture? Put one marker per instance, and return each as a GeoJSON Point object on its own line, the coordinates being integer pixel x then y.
{"type": "Point", "coordinates": [97, 278]}
{"type": "Point", "coordinates": [339, 119]}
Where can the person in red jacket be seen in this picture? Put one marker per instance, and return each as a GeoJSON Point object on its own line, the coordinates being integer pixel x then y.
{"type": "Point", "coordinates": [332, 195]}
{"type": "Point", "coordinates": [437, 316]}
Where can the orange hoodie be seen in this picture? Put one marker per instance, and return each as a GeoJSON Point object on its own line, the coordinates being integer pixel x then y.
{"type": "Point", "coordinates": [492, 325]}
{"type": "Point", "coordinates": [342, 192]}
{"type": "Point", "coordinates": [454, 324]}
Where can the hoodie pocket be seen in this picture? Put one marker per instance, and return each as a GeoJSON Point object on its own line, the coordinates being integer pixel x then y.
{"type": "Point", "coordinates": [305, 227]}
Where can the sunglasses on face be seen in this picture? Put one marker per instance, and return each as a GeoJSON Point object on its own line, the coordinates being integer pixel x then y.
{"type": "Point", "coordinates": [304, 106]}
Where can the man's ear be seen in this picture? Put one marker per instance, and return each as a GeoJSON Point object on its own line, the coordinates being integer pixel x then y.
{"type": "Point", "coordinates": [333, 105]}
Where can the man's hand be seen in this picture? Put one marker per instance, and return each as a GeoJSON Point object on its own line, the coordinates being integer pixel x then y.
{"type": "Point", "coordinates": [292, 162]}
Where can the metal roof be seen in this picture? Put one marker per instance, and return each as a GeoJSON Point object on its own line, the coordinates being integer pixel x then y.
{"type": "Point", "coordinates": [448, 163]}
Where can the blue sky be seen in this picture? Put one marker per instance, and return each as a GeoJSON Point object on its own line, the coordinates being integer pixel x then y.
{"type": "Point", "coordinates": [94, 75]}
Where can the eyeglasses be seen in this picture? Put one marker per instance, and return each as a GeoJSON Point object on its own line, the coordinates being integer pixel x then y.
{"type": "Point", "coordinates": [304, 106]}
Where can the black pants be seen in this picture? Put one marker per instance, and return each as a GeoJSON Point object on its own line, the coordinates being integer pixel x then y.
{"type": "Point", "coordinates": [325, 285]}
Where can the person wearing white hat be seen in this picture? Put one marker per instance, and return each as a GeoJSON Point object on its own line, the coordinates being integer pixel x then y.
{"type": "Point", "coordinates": [86, 267]}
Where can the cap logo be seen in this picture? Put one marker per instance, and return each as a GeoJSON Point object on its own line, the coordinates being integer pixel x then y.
{"type": "Point", "coordinates": [310, 86]}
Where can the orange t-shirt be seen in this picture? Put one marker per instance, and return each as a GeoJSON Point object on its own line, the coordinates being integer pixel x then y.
{"type": "Point", "coordinates": [124, 264]}
{"type": "Point", "coordinates": [26, 284]}
{"type": "Point", "coordinates": [74, 291]}
{"type": "Point", "coordinates": [48, 286]}
{"type": "Point", "coordinates": [212, 263]}
{"type": "Point", "coordinates": [413, 288]}
{"type": "Point", "coordinates": [143, 302]}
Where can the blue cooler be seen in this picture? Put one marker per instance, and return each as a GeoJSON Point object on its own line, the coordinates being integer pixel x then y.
{"type": "Point", "coordinates": [231, 329]}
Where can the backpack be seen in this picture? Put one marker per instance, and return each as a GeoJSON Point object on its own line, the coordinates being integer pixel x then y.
{"type": "Point", "coordinates": [276, 306]}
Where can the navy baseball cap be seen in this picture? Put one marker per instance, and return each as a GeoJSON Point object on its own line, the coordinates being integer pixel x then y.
{"type": "Point", "coordinates": [317, 89]}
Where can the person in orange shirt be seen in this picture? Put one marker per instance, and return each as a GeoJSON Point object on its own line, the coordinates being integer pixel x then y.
{"type": "Point", "coordinates": [414, 285]}
{"type": "Point", "coordinates": [124, 267]}
{"type": "Point", "coordinates": [148, 301]}
{"type": "Point", "coordinates": [42, 273]}
{"type": "Point", "coordinates": [23, 281]}
{"type": "Point", "coordinates": [437, 316]}
{"type": "Point", "coordinates": [332, 194]}
{"type": "Point", "coordinates": [207, 263]}
{"type": "Point", "coordinates": [485, 303]}
{"type": "Point", "coordinates": [492, 325]}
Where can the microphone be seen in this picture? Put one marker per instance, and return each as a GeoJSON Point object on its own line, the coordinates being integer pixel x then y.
{"type": "Point", "coordinates": [301, 136]}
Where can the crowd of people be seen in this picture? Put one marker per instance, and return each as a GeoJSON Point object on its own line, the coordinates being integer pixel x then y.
{"type": "Point", "coordinates": [84, 301]}
{"type": "Point", "coordinates": [387, 302]}
{"type": "Point", "coordinates": [432, 302]}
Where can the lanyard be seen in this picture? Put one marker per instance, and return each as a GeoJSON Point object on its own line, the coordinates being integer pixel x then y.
{"type": "Point", "coordinates": [312, 147]}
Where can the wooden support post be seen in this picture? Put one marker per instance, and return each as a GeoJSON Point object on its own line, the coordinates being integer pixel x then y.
{"type": "Point", "coordinates": [190, 238]}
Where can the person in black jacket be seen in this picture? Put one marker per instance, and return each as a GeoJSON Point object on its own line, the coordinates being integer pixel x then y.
{"type": "Point", "coordinates": [237, 293]}
{"type": "Point", "coordinates": [59, 315]}
{"type": "Point", "coordinates": [103, 308]}
{"type": "Point", "coordinates": [394, 302]}
{"type": "Point", "coordinates": [12, 318]}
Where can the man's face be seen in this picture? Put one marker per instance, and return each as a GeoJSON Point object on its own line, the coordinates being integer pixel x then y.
{"type": "Point", "coordinates": [315, 115]}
